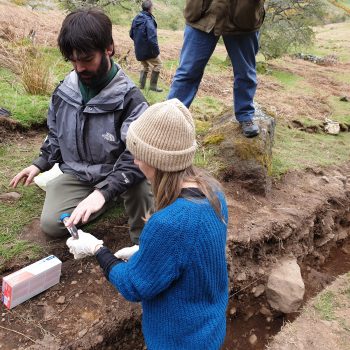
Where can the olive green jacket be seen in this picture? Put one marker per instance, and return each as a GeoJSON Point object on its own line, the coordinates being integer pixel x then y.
{"type": "Point", "coordinates": [228, 17]}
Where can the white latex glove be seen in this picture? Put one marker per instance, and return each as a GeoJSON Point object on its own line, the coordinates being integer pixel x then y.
{"type": "Point", "coordinates": [91, 204]}
{"type": "Point", "coordinates": [86, 245]}
{"type": "Point", "coordinates": [127, 252]}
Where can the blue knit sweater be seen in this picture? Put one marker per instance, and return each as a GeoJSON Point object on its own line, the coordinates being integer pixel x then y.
{"type": "Point", "coordinates": [180, 276]}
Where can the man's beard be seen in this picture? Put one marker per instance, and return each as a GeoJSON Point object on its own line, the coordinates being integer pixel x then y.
{"type": "Point", "coordinates": [92, 78]}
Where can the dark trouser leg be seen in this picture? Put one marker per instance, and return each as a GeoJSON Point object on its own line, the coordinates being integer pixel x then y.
{"type": "Point", "coordinates": [197, 48]}
{"type": "Point", "coordinates": [242, 50]}
{"type": "Point", "coordinates": [138, 202]}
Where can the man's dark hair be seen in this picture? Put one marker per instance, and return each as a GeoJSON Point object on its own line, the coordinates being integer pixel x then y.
{"type": "Point", "coordinates": [146, 5]}
{"type": "Point", "coordinates": [84, 31]}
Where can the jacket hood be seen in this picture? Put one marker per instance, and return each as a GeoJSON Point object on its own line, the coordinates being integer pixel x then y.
{"type": "Point", "coordinates": [142, 17]}
{"type": "Point", "coordinates": [109, 98]}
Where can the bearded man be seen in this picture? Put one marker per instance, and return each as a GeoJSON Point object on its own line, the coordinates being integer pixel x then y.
{"type": "Point", "coordinates": [88, 118]}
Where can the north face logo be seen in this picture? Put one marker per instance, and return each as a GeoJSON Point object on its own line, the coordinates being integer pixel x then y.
{"type": "Point", "coordinates": [109, 137]}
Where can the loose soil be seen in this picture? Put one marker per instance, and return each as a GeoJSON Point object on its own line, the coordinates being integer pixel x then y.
{"type": "Point", "coordinates": [305, 215]}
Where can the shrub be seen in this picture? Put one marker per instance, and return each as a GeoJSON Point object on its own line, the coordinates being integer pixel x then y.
{"type": "Point", "coordinates": [288, 25]}
{"type": "Point", "coordinates": [30, 66]}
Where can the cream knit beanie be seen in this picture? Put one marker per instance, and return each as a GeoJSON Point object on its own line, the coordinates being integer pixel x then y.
{"type": "Point", "coordinates": [163, 136]}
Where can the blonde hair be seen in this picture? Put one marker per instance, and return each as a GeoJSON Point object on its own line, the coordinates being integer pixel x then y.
{"type": "Point", "coordinates": [167, 187]}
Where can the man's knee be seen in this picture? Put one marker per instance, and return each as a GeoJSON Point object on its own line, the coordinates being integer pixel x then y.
{"type": "Point", "coordinates": [52, 227]}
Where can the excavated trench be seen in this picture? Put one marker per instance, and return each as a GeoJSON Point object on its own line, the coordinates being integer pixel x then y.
{"type": "Point", "coordinates": [314, 228]}
{"type": "Point", "coordinates": [306, 215]}
{"type": "Point", "coordinates": [323, 254]}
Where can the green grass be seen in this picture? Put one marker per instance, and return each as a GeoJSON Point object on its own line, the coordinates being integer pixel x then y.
{"type": "Point", "coordinates": [287, 79]}
{"type": "Point", "coordinates": [14, 216]}
{"type": "Point", "coordinates": [295, 150]}
{"type": "Point", "coordinates": [207, 107]}
{"type": "Point", "coordinates": [168, 14]}
{"type": "Point", "coordinates": [340, 110]}
{"type": "Point", "coordinates": [325, 305]}
{"type": "Point", "coordinates": [27, 109]}
{"type": "Point", "coordinates": [30, 110]}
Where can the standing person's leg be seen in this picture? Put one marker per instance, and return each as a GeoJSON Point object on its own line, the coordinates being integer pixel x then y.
{"type": "Point", "coordinates": [143, 73]}
{"type": "Point", "coordinates": [157, 65]}
{"type": "Point", "coordinates": [242, 50]}
{"type": "Point", "coordinates": [196, 50]}
{"type": "Point", "coordinates": [138, 202]}
{"type": "Point", "coordinates": [63, 194]}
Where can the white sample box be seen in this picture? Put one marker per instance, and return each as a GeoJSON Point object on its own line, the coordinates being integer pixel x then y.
{"type": "Point", "coordinates": [31, 280]}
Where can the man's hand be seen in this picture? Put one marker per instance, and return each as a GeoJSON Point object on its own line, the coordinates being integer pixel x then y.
{"type": "Point", "coordinates": [127, 252]}
{"type": "Point", "coordinates": [86, 245]}
{"type": "Point", "coordinates": [91, 204]}
{"type": "Point", "coordinates": [27, 175]}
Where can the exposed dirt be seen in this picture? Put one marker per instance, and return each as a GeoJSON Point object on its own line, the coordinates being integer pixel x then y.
{"type": "Point", "coordinates": [305, 214]}
{"type": "Point", "coordinates": [328, 329]}
{"type": "Point", "coordinates": [252, 315]}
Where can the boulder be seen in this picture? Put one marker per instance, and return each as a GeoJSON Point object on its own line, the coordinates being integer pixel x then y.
{"type": "Point", "coordinates": [285, 286]}
{"type": "Point", "coordinates": [244, 160]}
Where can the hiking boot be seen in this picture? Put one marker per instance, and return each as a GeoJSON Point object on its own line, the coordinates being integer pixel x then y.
{"type": "Point", "coordinates": [143, 78]}
{"type": "Point", "coordinates": [249, 128]}
{"type": "Point", "coordinates": [154, 82]}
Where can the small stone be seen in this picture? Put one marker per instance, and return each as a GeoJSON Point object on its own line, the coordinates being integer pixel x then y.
{"type": "Point", "coordinates": [99, 339]}
{"type": "Point", "coordinates": [233, 311]}
{"type": "Point", "coordinates": [74, 282]}
{"type": "Point", "coordinates": [10, 197]}
{"type": "Point", "coordinates": [265, 311]}
{"type": "Point", "coordinates": [268, 328]}
{"type": "Point", "coordinates": [268, 319]}
{"type": "Point", "coordinates": [82, 333]}
{"type": "Point", "coordinates": [261, 271]}
{"type": "Point", "coordinates": [61, 300]}
{"type": "Point", "coordinates": [3, 319]}
{"type": "Point", "coordinates": [241, 277]}
{"type": "Point", "coordinates": [253, 339]}
{"type": "Point", "coordinates": [80, 272]}
{"type": "Point", "coordinates": [77, 295]}
{"type": "Point", "coordinates": [260, 289]}
{"type": "Point", "coordinates": [308, 269]}
{"type": "Point", "coordinates": [3, 314]}
{"type": "Point", "coordinates": [345, 250]}
{"type": "Point", "coordinates": [248, 315]}
{"type": "Point", "coordinates": [325, 179]}
{"type": "Point", "coordinates": [95, 322]}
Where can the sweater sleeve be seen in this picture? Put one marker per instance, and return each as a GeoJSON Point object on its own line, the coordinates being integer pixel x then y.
{"type": "Point", "coordinates": [156, 265]}
{"type": "Point", "coordinates": [125, 172]}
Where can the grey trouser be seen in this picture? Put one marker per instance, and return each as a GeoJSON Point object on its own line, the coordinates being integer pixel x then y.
{"type": "Point", "coordinates": [65, 192]}
{"type": "Point", "coordinates": [156, 63]}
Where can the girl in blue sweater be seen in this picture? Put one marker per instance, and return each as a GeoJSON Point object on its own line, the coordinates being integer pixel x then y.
{"type": "Point", "coordinates": [178, 272]}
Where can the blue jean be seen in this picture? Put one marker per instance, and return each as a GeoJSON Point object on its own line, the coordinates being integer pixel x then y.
{"type": "Point", "coordinates": [196, 51]}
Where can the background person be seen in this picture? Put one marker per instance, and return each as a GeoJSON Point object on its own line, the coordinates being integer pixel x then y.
{"type": "Point", "coordinates": [144, 34]}
{"type": "Point", "coordinates": [179, 273]}
{"type": "Point", "coordinates": [88, 119]}
{"type": "Point", "coordinates": [238, 22]}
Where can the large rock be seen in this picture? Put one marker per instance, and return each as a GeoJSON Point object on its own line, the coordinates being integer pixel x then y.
{"type": "Point", "coordinates": [285, 286]}
{"type": "Point", "coordinates": [244, 160]}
